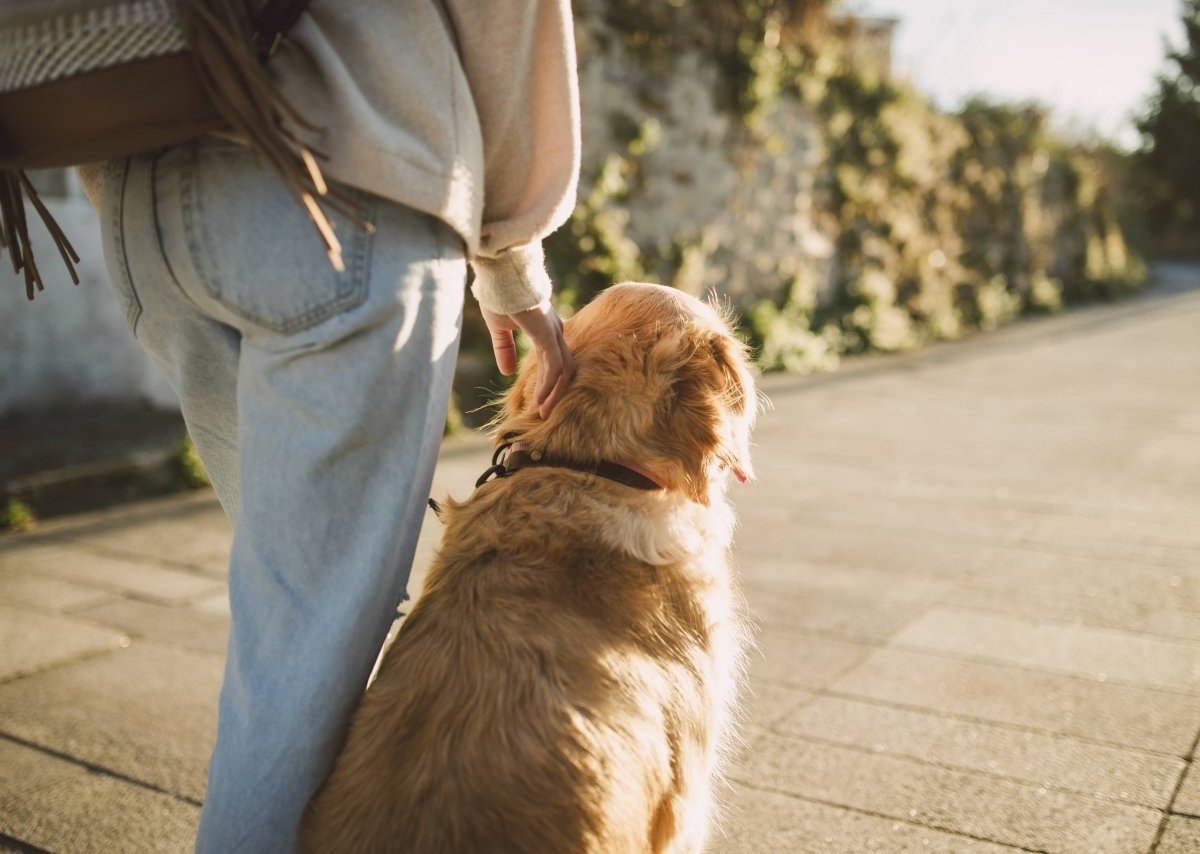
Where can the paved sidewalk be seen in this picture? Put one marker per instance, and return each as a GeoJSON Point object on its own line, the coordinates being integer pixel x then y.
{"type": "Point", "coordinates": [976, 571]}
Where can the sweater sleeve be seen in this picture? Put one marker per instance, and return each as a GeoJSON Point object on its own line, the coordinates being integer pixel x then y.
{"type": "Point", "coordinates": [519, 59]}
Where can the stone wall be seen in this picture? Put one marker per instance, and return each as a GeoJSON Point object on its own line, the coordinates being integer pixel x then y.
{"type": "Point", "coordinates": [704, 202]}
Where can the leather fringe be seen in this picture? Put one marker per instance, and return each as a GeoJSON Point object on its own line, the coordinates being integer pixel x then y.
{"type": "Point", "coordinates": [15, 187]}
{"type": "Point", "coordinates": [229, 58]}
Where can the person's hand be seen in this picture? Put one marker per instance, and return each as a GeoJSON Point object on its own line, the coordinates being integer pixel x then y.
{"type": "Point", "coordinates": [544, 328]}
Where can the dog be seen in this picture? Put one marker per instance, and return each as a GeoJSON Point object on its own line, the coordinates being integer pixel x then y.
{"type": "Point", "coordinates": [567, 680]}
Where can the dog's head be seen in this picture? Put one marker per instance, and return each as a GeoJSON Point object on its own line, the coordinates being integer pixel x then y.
{"type": "Point", "coordinates": [661, 384]}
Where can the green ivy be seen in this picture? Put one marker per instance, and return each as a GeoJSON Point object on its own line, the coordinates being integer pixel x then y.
{"type": "Point", "coordinates": [943, 223]}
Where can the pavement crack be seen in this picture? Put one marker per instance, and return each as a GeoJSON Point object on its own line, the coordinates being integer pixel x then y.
{"type": "Point", "coordinates": [910, 707]}
{"type": "Point", "coordinates": [125, 642]}
{"type": "Point", "coordinates": [894, 818]}
{"type": "Point", "coordinates": [960, 769]}
{"type": "Point", "coordinates": [98, 769]}
{"type": "Point", "coordinates": [1188, 762]}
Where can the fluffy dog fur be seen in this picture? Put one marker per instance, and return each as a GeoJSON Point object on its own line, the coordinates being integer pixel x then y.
{"type": "Point", "coordinates": [566, 680]}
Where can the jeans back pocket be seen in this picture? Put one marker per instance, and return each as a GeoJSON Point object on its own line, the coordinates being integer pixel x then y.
{"type": "Point", "coordinates": [254, 248]}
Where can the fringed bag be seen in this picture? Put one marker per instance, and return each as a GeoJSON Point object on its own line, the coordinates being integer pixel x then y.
{"type": "Point", "coordinates": [88, 80]}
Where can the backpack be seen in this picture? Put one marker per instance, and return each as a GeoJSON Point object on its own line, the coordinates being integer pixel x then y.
{"type": "Point", "coordinates": [88, 80]}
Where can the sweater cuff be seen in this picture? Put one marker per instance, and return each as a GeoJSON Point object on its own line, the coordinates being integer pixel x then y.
{"type": "Point", "coordinates": [515, 280]}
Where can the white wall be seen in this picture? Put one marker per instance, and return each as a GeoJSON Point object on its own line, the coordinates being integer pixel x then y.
{"type": "Point", "coordinates": [69, 345]}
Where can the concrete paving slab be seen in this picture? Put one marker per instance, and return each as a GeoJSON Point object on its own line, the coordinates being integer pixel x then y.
{"type": "Point", "coordinates": [57, 805]}
{"type": "Point", "coordinates": [1048, 574]}
{"type": "Point", "coordinates": [145, 712]}
{"type": "Point", "coordinates": [1051, 535]}
{"type": "Point", "coordinates": [199, 539]}
{"type": "Point", "coordinates": [763, 704]}
{"type": "Point", "coordinates": [1130, 776]}
{"type": "Point", "coordinates": [30, 642]}
{"type": "Point", "coordinates": [1099, 654]}
{"type": "Point", "coordinates": [865, 546]}
{"type": "Point", "coordinates": [1002, 811]}
{"type": "Point", "coordinates": [883, 474]}
{"type": "Point", "coordinates": [763, 822]}
{"type": "Point", "coordinates": [1181, 836]}
{"type": "Point", "coordinates": [167, 626]}
{"type": "Point", "coordinates": [1028, 496]}
{"type": "Point", "coordinates": [783, 572]}
{"type": "Point", "coordinates": [216, 605]}
{"type": "Point", "coordinates": [863, 616]}
{"type": "Point", "coordinates": [941, 518]}
{"type": "Point", "coordinates": [800, 661]}
{"type": "Point", "coordinates": [215, 565]}
{"type": "Point", "coordinates": [52, 595]}
{"type": "Point", "coordinates": [957, 447]}
{"type": "Point", "coordinates": [1119, 715]}
{"type": "Point", "coordinates": [1143, 538]}
{"type": "Point", "coordinates": [1158, 602]}
{"type": "Point", "coordinates": [72, 563]}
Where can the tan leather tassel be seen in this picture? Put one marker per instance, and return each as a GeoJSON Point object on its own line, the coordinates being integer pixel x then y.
{"type": "Point", "coordinates": [61, 243]}
{"type": "Point", "coordinates": [221, 39]}
{"type": "Point", "coordinates": [14, 231]}
{"type": "Point", "coordinates": [227, 55]}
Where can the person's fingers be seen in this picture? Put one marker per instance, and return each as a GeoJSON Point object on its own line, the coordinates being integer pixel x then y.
{"type": "Point", "coordinates": [561, 381]}
{"type": "Point", "coordinates": [549, 368]}
{"type": "Point", "coordinates": [505, 349]}
{"type": "Point", "coordinates": [556, 393]}
{"type": "Point", "coordinates": [555, 366]}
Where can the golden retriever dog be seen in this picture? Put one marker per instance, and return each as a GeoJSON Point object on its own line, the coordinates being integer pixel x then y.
{"type": "Point", "coordinates": [566, 681]}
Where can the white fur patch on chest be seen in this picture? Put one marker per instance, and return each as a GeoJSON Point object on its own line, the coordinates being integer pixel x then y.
{"type": "Point", "coordinates": [668, 528]}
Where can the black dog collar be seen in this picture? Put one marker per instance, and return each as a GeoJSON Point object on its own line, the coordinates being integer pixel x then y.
{"type": "Point", "coordinates": [513, 456]}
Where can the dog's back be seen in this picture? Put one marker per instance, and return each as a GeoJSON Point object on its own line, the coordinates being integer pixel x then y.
{"type": "Point", "coordinates": [558, 698]}
{"type": "Point", "coordinates": [564, 681]}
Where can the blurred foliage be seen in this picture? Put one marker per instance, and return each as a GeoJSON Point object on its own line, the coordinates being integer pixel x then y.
{"type": "Point", "coordinates": [454, 425]}
{"type": "Point", "coordinates": [942, 223]}
{"type": "Point", "coordinates": [1169, 161]}
{"type": "Point", "coordinates": [594, 250]}
{"type": "Point", "coordinates": [16, 515]}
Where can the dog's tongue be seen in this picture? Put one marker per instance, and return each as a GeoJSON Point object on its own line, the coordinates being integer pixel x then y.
{"type": "Point", "coordinates": [740, 475]}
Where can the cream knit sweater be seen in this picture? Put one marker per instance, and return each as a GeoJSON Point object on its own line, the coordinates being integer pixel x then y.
{"type": "Point", "coordinates": [465, 109]}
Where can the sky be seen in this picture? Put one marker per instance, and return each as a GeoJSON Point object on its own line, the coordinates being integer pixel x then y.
{"type": "Point", "coordinates": [1092, 61]}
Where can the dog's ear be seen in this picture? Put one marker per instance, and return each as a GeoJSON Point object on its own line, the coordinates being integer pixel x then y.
{"type": "Point", "coordinates": [706, 407]}
{"type": "Point", "coordinates": [737, 397]}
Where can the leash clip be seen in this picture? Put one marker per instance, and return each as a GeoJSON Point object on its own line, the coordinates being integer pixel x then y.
{"type": "Point", "coordinates": [497, 468]}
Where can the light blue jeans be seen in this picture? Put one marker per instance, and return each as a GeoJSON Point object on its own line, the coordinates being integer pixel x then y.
{"type": "Point", "coordinates": [316, 401]}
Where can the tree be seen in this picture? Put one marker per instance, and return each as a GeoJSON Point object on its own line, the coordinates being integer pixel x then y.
{"type": "Point", "coordinates": [1170, 156]}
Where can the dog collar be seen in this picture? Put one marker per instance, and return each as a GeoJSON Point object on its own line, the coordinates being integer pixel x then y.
{"type": "Point", "coordinates": [513, 456]}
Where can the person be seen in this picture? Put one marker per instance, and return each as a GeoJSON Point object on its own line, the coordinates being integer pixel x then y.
{"type": "Point", "coordinates": [316, 399]}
